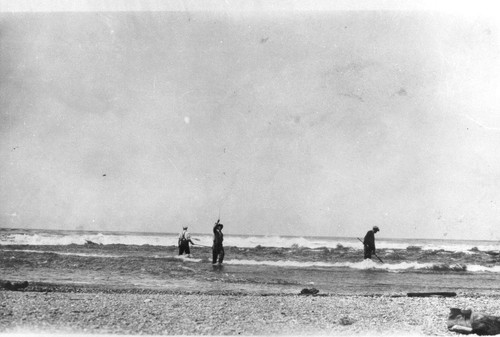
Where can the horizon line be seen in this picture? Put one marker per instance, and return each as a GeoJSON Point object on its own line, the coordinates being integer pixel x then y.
{"type": "Point", "coordinates": [257, 235]}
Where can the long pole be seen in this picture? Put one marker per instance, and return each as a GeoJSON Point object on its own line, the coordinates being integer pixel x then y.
{"type": "Point", "coordinates": [373, 253]}
{"type": "Point", "coordinates": [197, 244]}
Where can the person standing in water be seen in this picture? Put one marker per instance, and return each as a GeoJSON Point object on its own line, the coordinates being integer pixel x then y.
{"type": "Point", "coordinates": [369, 242]}
{"type": "Point", "coordinates": [217, 248]}
{"type": "Point", "coordinates": [184, 241]}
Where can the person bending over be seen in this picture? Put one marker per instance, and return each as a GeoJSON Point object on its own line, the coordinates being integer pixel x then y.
{"type": "Point", "coordinates": [369, 242]}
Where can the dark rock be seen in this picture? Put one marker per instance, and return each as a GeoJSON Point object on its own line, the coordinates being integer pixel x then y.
{"type": "Point", "coordinates": [346, 321]}
{"type": "Point", "coordinates": [311, 291]}
{"type": "Point", "coordinates": [15, 286]}
{"type": "Point", "coordinates": [469, 322]}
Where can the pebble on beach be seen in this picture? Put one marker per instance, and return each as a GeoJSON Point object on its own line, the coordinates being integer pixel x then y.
{"type": "Point", "coordinates": [219, 314]}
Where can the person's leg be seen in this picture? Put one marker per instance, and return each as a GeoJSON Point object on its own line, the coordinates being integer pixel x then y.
{"type": "Point", "coordinates": [368, 253]}
{"type": "Point", "coordinates": [180, 249]}
{"type": "Point", "coordinates": [214, 255]}
{"type": "Point", "coordinates": [221, 255]}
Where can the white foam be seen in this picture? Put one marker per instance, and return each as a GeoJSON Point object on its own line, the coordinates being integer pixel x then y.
{"type": "Point", "coordinates": [60, 253]}
{"type": "Point", "coordinates": [366, 264]}
{"type": "Point", "coordinates": [362, 265]}
{"type": "Point", "coordinates": [56, 239]}
{"type": "Point", "coordinates": [186, 258]}
{"type": "Point", "coordinates": [80, 238]}
{"type": "Point", "coordinates": [479, 268]}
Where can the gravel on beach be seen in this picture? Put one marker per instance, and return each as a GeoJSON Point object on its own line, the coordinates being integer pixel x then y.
{"type": "Point", "coordinates": [230, 314]}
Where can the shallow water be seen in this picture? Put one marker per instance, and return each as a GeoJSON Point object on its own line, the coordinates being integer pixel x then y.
{"type": "Point", "coordinates": [253, 263]}
{"type": "Point", "coordinates": [263, 270]}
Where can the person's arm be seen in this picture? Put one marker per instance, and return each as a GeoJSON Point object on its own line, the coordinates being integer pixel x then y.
{"type": "Point", "coordinates": [215, 224]}
{"type": "Point", "coordinates": [215, 233]}
{"type": "Point", "coordinates": [188, 238]}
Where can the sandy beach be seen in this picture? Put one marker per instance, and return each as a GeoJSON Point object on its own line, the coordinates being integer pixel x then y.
{"type": "Point", "coordinates": [120, 311]}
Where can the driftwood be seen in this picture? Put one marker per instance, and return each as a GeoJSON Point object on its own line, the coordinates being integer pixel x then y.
{"type": "Point", "coordinates": [469, 322]}
{"type": "Point", "coordinates": [14, 286]}
{"type": "Point", "coordinates": [443, 294]}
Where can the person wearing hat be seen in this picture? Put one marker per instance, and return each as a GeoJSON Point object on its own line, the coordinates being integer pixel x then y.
{"type": "Point", "coordinates": [369, 242]}
{"type": "Point", "coordinates": [217, 248]}
{"type": "Point", "coordinates": [184, 241]}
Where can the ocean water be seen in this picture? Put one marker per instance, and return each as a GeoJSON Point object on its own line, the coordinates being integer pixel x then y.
{"type": "Point", "coordinates": [262, 264]}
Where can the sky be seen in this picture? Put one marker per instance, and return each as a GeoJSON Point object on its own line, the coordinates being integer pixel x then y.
{"type": "Point", "coordinates": [282, 122]}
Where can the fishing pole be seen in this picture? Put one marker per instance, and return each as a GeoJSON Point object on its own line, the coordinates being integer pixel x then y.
{"type": "Point", "coordinates": [197, 244]}
{"type": "Point", "coordinates": [373, 252]}
{"type": "Point", "coordinates": [203, 245]}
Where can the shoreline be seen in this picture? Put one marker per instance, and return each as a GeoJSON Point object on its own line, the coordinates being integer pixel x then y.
{"type": "Point", "coordinates": [50, 308]}
{"type": "Point", "coordinates": [86, 288]}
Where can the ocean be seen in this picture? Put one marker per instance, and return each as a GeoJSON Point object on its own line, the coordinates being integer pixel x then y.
{"type": "Point", "coordinates": [252, 264]}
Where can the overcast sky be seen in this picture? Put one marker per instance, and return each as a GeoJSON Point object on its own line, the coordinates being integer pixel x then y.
{"type": "Point", "coordinates": [285, 122]}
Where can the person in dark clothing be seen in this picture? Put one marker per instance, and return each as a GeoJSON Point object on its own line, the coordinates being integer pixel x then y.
{"type": "Point", "coordinates": [369, 242]}
{"type": "Point", "coordinates": [217, 248]}
{"type": "Point", "coordinates": [184, 241]}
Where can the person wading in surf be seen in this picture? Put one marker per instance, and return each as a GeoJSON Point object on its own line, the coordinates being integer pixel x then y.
{"type": "Point", "coordinates": [217, 248]}
{"type": "Point", "coordinates": [184, 241]}
{"type": "Point", "coordinates": [369, 242]}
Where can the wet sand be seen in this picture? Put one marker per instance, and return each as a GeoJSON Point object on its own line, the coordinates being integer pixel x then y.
{"type": "Point", "coordinates": [62, 309]}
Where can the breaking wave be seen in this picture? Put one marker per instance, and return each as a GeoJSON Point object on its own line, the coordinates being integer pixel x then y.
{"type": "Point", "coordinates": [370, 265]}
{"type": "Point", "coordinates": [282, 263]}
{"type": "Point", "coordinates": [61, 238]}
